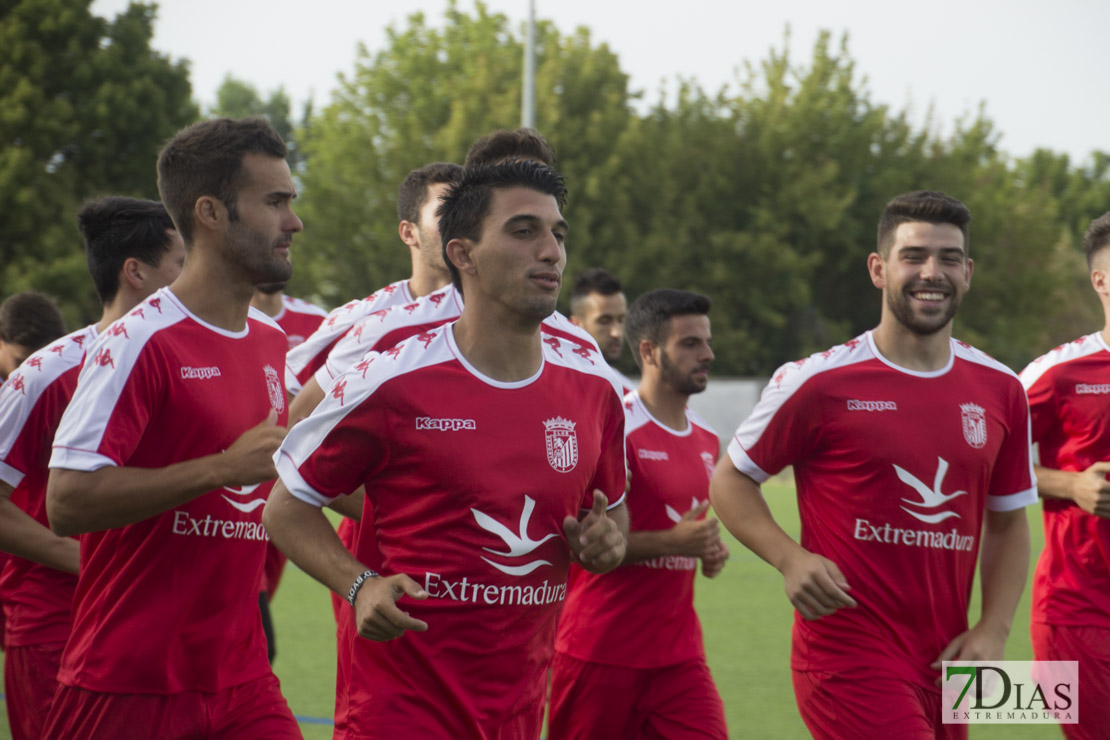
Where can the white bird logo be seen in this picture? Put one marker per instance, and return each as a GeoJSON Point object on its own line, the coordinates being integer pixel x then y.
{"type": "Point", "coordinates": [247, 507]}
{"type": "Point", "coordinates": [519, 545]}
{"type": "Point", "coordinates": [673, 514]}
{"type": "Point", "coordinates": [930, 498]}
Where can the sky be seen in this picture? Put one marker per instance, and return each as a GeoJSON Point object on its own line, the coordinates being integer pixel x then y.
{"type": "Point", "coordinates": [1034, 65]}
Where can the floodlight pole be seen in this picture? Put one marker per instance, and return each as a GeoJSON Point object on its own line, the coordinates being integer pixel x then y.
{"type": "Point", "coordinates": [528, 96]}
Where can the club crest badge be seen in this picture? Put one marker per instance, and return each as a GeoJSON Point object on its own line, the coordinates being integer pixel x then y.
{"type": "Point", "coordinates": [710, 463]}
{"type": "Point", "coordinates": [273, 387]}
{"type": "Point", "coordinates": [974, 425]}
{"type": "Point", "coordinates": [562, 444]}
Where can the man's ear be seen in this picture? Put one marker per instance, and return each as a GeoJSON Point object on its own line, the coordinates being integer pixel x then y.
{"type": "Point", "coordinates": [876, 268]}
{"type": "Point", "coordinates": [458, 252]}
{"type": "Point", "coordinates": [209, 212]}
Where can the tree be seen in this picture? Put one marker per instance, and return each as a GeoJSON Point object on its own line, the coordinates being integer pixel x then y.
{"type": "Point", "coordinates": [425, 97]}
{"type": "Point", "coordinates": [86, 105]}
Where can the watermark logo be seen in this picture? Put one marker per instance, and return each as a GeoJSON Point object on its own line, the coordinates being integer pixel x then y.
{"type": "Point", "coordinates": [1008, 692]}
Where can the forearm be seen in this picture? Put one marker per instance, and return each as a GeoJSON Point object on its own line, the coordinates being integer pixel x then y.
{"type": "Point", "coordinates": [1004, 566]}
{"type": "Point", "coordinates": [305, 535]}
{"type": "Point", "coordinates": [306, 401]}
{"type": "Point", "coordinates": [649, 544]}
{"type": "Point", "coordinates": [1053, 483]}
{"type": "Point", "coordinates": [79, 501]}
{"type": "Point", "coordinates": [23, 536]}
{"type": "Point", "coordinates": [350, 505]}
{"type": "Point", "coordinates": [739, 505]}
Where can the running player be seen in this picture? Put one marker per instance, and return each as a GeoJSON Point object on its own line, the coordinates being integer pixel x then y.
{"type": "Point", "coordinates": [1068, 394]}
{"type": "Point", "coordinates": [132, 250]}
{"type": "Point", "coordinates": [908, 447]}
{"type": "Point", "coordinates": [161, 457]}
{"type": "Point", "coordinates": [28, 322]}
{"type": "Point", "coordinates": [417, 200]}
{"type": "Point", "coordinates": [478, 443]}
{"type": "Point", "coordinates": [598, 306]}
{"type": "Point", "coordinates": [629, 659]}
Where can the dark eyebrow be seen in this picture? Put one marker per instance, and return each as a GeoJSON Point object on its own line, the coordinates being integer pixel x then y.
{"type": "Point", "coordinates": [289, 195]}
{"type": "Point", "coordinates": [535, 219]}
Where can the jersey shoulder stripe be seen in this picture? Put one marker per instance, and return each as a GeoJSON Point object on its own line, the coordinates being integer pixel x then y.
{"type": "Point", "coordinates": [1085, 346]}
{"type": "Point", "coordinates": [299, 305]}
{"type": "Point", "coordinates": [964, 351]}
{"type": "Point", "coordinates": [574, 355]}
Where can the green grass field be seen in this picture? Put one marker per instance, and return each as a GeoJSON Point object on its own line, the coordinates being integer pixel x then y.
{"type": "Point", "coordinates": [744, 612]}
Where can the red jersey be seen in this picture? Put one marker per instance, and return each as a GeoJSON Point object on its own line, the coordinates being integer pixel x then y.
{"type": "Point", "coordinates": [37, 599]}
{"type": "Point", "coordinates": [470, 480]}
{"type": "Point", "coordinates": [893, 470]}
{"type": "Point", "coordinates": [1069, 400]}
{"type": "Point", "coordinates": [307, 357]}
{"type": "Point", "coordinates": [299, 319]}
{"type": "Point", "coordinates": [170, 604]}
{"type": "Point", "coordinates": [383, 329]}
{"type": "Point", "coordinates": [642, 615]}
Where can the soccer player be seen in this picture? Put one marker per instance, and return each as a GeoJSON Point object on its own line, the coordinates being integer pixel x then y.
{"type": "Point", "coordinates": [132, 250]}
{"type": "Point", "coordinates": [489, 456]}
{"type": "Point", "coordinates": [28, 322]}
{"type": "Point", "coordinates": [629, 659]}
{"type": "Point", "coordinates": [417, 200]}
{"type": "Point", "coordinates": [502, 145]}
{"type": "Point", "coordinates": [911, 454]}
{"type": "Point", "coordinates": [598, 305]}
{"type": "Point", "coordinates": [1070, 407]}
{"type": "Point", "coordinates": [161, 458]}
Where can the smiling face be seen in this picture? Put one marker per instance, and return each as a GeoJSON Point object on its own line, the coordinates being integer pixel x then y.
{"type": "Point", "coordinates": [924, 277]}
{"type": "Point", "coordinates": [518, 261]}
{"type": "Point", "coordinates": [259, 236]}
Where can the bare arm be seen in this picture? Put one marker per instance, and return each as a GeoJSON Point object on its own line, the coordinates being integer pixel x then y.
{"type": "Point", "coordinates": [303, 533]}
{"type": "Point", "coordinates": [688, 537]}
{"type": "Point", "coordinates": [79, 501]}
{"type": "Point", "coordinates": [306, 401]}
{"type": "Point", "coordinates": [1003, 570]}
{"type": "Point", "coordinates": [814, 584]}
{"type": "Point", "coordinates": [1089, 489]}
{"type": "Point", "coordinates": [24, 537]}
{"type": "Point", "coordinates": [350, 505]}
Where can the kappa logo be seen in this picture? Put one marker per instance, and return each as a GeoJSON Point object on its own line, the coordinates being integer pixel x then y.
{"type": "Point", "coordinates": [16, 382]}
{"type": "Point", "coordinates": [357, 331]}
{"type": "Point", "coordinates": [659, 455]}
{"type": "Point", "coordinates": [156, 303]}
{"type": "Point", "coordinates": [555, 344]}
{"type": "Point", "coordinates": [103, 357]}
{"type": "Point", "coordinates": [118, 329]}
{"type": "Point", "coordinates": [520, 544]}
{"type": "Point", "coordinates": [437, 298]}
{"type": "Point", "coordinates": [199, 373]}
{"type": "Point", "coordinates": [425, 423]}
{"type": "Point", "coordinates": [139, 312]}
{"type": "Point", "coordinates": [35, 362]}
{"type": "Point", "coordinates": [412, 307]}
{"type": "Point", "coordinates": [562, 444]}
{"type": "Point", "coordinates": [244, 506]}
{"type": "Point", "coordinates": [426, 337]}
{"type": "Point", "coordinates": [58, 349]}
{"type": "Point", "coordinates": [1092, 389]}
{"type": "Point", "coordinates": [931, 498]}
{"type": "Point", "coordinates": [364, 364]}
{"type": "Point", "coordinates": [274, 388]}
{"type": "Point", "coordinates": [80, 340]}
{"type": "Point", "coordinates": [337, 390]}
{"type": "Point", "coordinates": [857, 405]}
{"type": "Point", "coordinates": [974, 425]}
{"type": "Point", "coordinates": [584, 353]}
{"type": "Point", "coordinates": [380, 314]}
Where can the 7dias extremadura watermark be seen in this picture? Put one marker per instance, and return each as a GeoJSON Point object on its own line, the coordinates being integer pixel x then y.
{"type": "Point", "coordinates": [1010, 692]}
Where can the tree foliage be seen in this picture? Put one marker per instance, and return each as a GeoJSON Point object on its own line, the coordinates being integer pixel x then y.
{"type": "Point", "coordinates": [85, 104]}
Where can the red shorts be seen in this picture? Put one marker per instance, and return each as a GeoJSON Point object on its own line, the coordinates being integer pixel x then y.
{"type": "Point", "coordinates": [859, 703]}
{"type": "Point", "coordinates": [30, 680]}
{"type": "Point", "coordinates": [250, 711]}
{"type": "Point", "coordinates": [591, 700]}
{"type": "Point", "coordinates": [344, 643]}
{"type": "Point", "coordinates": [1090, 647]}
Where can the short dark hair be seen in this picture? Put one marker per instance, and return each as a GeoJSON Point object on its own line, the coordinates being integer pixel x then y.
{"type": "Point", "coordinates": [467, 203]}
{"type": "Point", "coordinates": [117, 228]}
{"type": "Point", "coordinates": [649, 315]}
{"type": "Point", "coordinates": [589, 281]}
{"type": "Point", "coordinates": [523, 143]}
{"type": "Point", "coordinates": [1097, 237]}
{"type": "Point", "coordinates": [207, 159]}
{"type": "Point", "coordinates": [30, 319]}
{"type": "Point", "coordinates": [928, 206]}
{"type": "Point", "coordinates": [413, 193]}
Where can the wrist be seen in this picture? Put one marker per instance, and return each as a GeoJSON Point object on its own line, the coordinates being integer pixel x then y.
{"type": "Point", "coordinates": [365, 576]}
